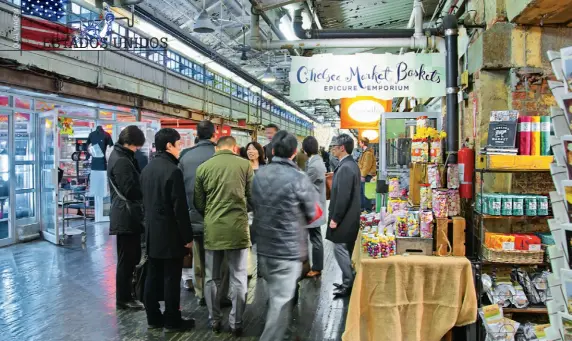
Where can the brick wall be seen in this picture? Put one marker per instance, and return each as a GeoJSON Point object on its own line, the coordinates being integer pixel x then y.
{"type": "Point", "coordinates": [532, 99]}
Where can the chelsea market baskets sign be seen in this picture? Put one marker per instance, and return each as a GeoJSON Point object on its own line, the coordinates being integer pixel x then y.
{"type": "Point", "coordinates": [380, 75]}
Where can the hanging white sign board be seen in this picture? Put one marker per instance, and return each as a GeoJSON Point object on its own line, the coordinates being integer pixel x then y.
{"type": "Point", "coordinates": [383, 76]}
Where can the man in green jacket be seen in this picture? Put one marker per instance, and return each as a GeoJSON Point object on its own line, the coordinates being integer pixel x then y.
{"type": "Point", "coordinates": [222, 189]}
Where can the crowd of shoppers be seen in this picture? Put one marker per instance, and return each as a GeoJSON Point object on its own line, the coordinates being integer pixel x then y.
{"type": "Point", "coordinates": [198, 201]}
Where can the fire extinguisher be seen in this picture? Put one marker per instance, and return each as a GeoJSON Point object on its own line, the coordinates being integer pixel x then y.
{"type": "Point", "coordinates": [466, 158]}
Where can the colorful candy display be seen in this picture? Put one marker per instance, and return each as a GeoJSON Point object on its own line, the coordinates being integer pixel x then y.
{"type": "Point", "coordinates": [440, 204]}
{"type": "Point", "coordinates": [454, 202]}
{"type": "Point", "coordinates": [421, 122]}
{"type": "Point", "coordinates": [401, 225]}
{"type": "Point", "coordinates": [419, 150]}
{"type": "Point", "coordinates": [453, 176]}
{"type": "Point", "coordinates": [393, 205]}
{"type": "Point", "coordinates": [433, 176]}
{"type": "Point", "coordinates": [425, 196]}
{"type": "Point", "coordinates": [436, 151]}
{"type": "Point", "coordinates": [394, 190]}
{"type": "Point", "coordinates": [426, 224]}
{"type": "Point", "coordinates": [413, 224]}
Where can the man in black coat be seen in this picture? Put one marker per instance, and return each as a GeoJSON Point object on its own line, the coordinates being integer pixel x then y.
{"type": "Point", "coordinates": [169, 233]}
{"type": "Point", "coordinates": [344, 210]}
{"type": "Point", "coordinates": [269, 131]}
{"type": "Point", "coordinates": [126, 216]}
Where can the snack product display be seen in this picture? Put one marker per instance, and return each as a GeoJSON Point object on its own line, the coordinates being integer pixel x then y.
{"type": "Point", "coordinates": [413, 224]}
{"type": "Point", "coordinates": [452, 176]}
{"type": "Point", "coordinates": [394, 191]}
{"type": "Point", "coordinates": [440, 203]}
{"type": "Point", "coordinates": [426, 224]}
{"type": "Point", "coordinates": [433, 176]}
{"type": "Point", "coordinates": [454, 202]}
{"type": "Point", "coordinates": [425, 196]}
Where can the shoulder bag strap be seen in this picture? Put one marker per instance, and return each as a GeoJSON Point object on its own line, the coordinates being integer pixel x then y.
{"type": "Point", "coordinates": [121, 196]}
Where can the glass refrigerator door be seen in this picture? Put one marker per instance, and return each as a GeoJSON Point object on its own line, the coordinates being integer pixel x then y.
{"type": "Point", "coordinates": [6, 230]}
{"type": "Point", "coordinates": [48, 134]}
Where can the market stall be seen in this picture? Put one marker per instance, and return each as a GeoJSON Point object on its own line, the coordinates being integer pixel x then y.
{"type": "Point", "coordinates": [396, 256]}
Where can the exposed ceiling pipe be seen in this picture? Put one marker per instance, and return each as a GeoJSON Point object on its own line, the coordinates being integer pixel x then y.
{"type": "Point", "coordinates": [368, 33]}
{"type": "Point", "coordinates": [411, 42]}
{"type": "Point", "coordinates": [418, 14]}
{"type": "Point", "coordinates": [269, 22]}
{"type": "Point", "coordinates": [312, 14]}
{"type": "Point", "coordinates": [416, 19]}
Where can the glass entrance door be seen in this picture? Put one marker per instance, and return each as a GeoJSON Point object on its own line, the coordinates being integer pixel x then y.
{"type": "Point", "coordinates": [6, 224]}
{"type": "Point", "coordinates": [49, 180]}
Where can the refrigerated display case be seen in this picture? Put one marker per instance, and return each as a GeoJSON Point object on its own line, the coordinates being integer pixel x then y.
{"type": "Point", "coordinates": [6, 230]}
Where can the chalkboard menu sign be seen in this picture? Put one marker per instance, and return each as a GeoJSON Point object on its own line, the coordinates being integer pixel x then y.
{"type": "Point", "coordinates": [502, 134]}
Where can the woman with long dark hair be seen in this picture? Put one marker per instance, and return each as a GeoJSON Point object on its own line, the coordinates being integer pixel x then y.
{"type": "Point", "coordinates": [255, 154]}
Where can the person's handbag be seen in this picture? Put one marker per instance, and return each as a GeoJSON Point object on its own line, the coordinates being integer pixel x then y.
{"type": "Point", "coordinates": [370, 190]}
{"type": "Point", "coordinates": [139, 277]}
{"type": "Point", "coordinates": [188, 260]}
{"type": "Point", "coordinates": [329, 180]}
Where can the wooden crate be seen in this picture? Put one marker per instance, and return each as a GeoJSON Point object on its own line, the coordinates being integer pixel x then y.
{"type": "Point", "coordinates": [514, 162]}
{"type": "Point", "coordinates": [459, 225]}
{"type": "Point", "coordinates": [414, 246]}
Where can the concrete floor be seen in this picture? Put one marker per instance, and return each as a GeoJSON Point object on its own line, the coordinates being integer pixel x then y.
{"type": "Point", "coordinates": [49, 292]}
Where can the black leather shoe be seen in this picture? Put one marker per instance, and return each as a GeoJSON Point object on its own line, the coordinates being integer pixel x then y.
{"type": "Point", "coordinates": [216, 327]}
{"type": "Point", "coordinates": [185, 325]}
{"type": "Point", "coordinates": [155, 326]}
{"type": "Point", "coordinates": [188, 285]}
{"type": "Point", "coordinates": [338, 285]}
{"type": "Point", "coordinates": [131, 305]}
{"type": "Point", "coordinates": [236, 332]}
{"type": "Point", "coordinates": [202, 302]}
{"type": "Point", "coordinates": [343, 292]}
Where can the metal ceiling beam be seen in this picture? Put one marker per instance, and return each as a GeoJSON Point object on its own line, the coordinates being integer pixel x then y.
{"type": "Point", "coordinates": [313, 14]}
{"type": "Point", "coordinates": [273, 27]}
{"type": "Point", "coordinates": [163, 23]}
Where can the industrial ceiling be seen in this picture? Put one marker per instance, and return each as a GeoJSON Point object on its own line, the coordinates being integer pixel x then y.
{"type": "Point", "coordinates": [232, 30]}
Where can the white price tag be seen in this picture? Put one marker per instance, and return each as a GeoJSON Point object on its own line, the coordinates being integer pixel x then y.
{"type": "Point", "coordinates": [534, 247]}
{"type": "Point", "coordinates": [508, 246]}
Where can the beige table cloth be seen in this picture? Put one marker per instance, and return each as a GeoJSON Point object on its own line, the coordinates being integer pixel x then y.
{"type": "Point", "coordinates": [409, 298]}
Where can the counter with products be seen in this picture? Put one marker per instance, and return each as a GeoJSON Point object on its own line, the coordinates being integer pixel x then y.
{"type": "Point", "coordinates": [401, 298]}
{"type": "Point", "coordinates": [398, 291]}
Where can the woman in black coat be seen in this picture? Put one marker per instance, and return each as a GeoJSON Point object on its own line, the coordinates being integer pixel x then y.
{"type": "Point", "coordinates": [126, 216]}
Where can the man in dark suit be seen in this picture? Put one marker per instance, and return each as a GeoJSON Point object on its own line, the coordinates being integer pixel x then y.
{"type": "Point", "coordinates": [168, 232]}
{"type": "Point", "coordinates": [343, 226]}
{"type": "Point", "coordinates": [269, 131]}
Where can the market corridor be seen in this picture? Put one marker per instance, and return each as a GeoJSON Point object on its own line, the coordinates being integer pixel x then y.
{"type": "Point", "coordinates": [50, 292]}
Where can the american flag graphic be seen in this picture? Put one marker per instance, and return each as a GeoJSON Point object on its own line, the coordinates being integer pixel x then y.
{"type": "Point", "coordinates": [43, 25]}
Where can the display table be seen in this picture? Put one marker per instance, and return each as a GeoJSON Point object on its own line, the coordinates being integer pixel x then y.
{"type": "Point", "coordinates": [409, 298]}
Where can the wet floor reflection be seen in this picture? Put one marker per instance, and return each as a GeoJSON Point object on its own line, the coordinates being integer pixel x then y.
{"type": "Point", "coordinates": [50, 292]}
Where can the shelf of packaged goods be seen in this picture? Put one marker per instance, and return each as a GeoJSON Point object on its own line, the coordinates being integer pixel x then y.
{"type": "Point", "coordinates": [513, 163]}
{"type": "Point", "coordinates": [529, 310]}
{"type": "Point", "coordinates": [513, 217]}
